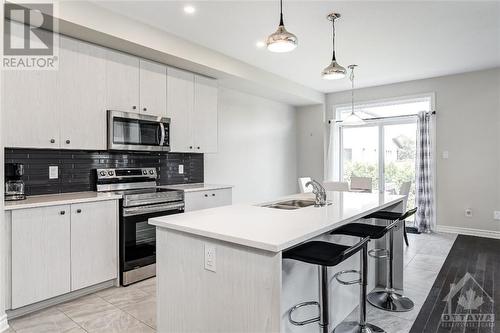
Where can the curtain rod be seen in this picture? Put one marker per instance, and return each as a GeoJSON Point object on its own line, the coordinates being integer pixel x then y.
{"type": "Point", "coordinates": [380, 118]}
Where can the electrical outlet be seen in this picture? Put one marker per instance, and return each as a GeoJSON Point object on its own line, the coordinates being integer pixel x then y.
{"type": "Point", "coordinates": [181, 169]}
{"type": "Point", "coordinates": [53, 172]}
{"type": "Point", "coordinates": [446, 154]}
{"type": "Point", "coordinates": [468, 212]}
{"type": "Point", "coordinates": [496, 214]}
{"type": "Point", "coordinates": [210, 257]}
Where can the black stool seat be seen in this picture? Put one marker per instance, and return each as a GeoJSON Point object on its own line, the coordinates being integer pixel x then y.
{"type": "Point", "coordinates": [383, 215]}
{"type": "Point", "coordinates": [318, 253]}
{"type": "Point", "coordinates": [362, 230]}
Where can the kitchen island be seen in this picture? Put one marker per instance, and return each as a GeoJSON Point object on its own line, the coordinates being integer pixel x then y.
{"type": "Point", "coordinates": [221, 269]}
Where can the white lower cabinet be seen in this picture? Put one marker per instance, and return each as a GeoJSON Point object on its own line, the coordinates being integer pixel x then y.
{"type": "Point", "coordinates": [94, 256]}
{"type": "Point", "coordinates": [207, 199]}
{"type": "Point", "coordinates": [40, 254]}
{"type": "Point", "coordinates": [59, 249]}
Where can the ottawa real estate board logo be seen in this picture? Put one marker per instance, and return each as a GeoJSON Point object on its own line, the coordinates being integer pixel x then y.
{"type": "Point", "coordinates": [469, 308]}
{"type": "Point", "coordinates": [29, 42]}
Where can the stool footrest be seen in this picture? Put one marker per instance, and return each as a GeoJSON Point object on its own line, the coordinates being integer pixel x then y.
{"type": "Point", "coordinates": [347, 283]}
{"type": "Point", "coordinates": [379, 253]}
{"type": "Point", "coordinates": [305, 322]}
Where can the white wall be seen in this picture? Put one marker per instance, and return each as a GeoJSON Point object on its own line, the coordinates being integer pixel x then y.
{"type": "Point", "coordinates": [310, 141]}
{"type": "Point", "coordinates": [468, 126]}
{"type": "Point", "coordinates": [257, 148]}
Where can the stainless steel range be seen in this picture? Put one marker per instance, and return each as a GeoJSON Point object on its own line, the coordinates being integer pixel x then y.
{"type": "Point", "coordinates": [142, 200]}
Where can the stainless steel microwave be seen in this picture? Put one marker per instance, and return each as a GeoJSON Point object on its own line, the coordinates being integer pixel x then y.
{"type": "Point", "coordinates": [134, 131]}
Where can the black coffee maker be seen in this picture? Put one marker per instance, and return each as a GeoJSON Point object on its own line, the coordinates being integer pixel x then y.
{"type": "Point", "coordinates": [14, 185]}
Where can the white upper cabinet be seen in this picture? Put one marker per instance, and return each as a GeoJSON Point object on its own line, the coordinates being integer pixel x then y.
{"type": "Point", "coordinates": [122, 82]}
{"type": "Point", "coordinates": [205, 114]}
{"type": "Point", "coordinates": [192, 107]}
{"type": "Point", "coordinates": [153, 88]}
{"type": "Point", "coordinates": [82, 71]}
{"type": "Point", "coordinates": [30, 114]}
{"type": "Point", "coordinates": [180, 104]}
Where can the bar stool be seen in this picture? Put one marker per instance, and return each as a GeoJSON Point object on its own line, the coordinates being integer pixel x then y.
{"type": "Point", "coordinates": [326, 255]}
{"type": "Point", "coordinates": [387, 299]}
{"type": "Point", "coordinates": [389, 216]}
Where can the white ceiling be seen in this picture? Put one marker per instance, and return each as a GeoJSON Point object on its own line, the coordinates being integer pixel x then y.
{"type": "Point", "coordinates": [390, 41]}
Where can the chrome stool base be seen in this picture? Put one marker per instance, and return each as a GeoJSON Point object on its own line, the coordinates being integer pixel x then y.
{"type": "Point", "coordinates": [390, 300]}
{"type": "Point", "coordinates": [355, 327]}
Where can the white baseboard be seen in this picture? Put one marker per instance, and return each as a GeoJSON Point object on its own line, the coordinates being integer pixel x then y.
{"type": "Point", "coordinates": [469, 231]}
{"type": "Point", "coordinates": [3, 323]}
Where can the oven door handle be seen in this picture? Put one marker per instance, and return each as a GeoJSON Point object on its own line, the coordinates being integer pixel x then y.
{"type": "Point", "coordinates": [141, 210]}
{"type": "Point", "coordinates": [162, 139]}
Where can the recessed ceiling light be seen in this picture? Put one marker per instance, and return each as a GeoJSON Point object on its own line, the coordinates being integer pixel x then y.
{"type": "Point", "coordinates": [260, 44]}
{"type": "Point", "coordinates": [188, 9]}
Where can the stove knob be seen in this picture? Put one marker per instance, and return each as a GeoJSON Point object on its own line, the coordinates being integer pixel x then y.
{"type": "Point", "coordinates": [111, 173]}
{"type": "Point", "coordinates": [144, 172]}
{"type": "Point", "coordinates": [102, 173]}
{"type": "Point", "coordinates": [151, 172]}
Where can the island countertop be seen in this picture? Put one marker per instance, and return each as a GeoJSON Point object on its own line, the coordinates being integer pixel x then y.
{"type": "Point", "coordinates": [273, 229]}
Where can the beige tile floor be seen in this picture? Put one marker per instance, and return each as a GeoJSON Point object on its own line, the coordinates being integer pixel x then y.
{"type": "Point", "coordinates": [133, 309]}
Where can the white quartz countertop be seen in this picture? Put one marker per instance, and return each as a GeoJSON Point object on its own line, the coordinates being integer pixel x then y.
{"type": "Point", "coordinates": [275, 229]}
{"type": "Point", "coordinates": [59, 199]}
{"type": "Point", "coordinates": [196, 187]}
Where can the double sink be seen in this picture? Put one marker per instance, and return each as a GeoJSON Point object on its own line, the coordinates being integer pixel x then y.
{"type": "Point", "coordinates": [290, 204]}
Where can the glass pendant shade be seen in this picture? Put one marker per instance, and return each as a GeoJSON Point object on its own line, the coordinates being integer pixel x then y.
{"type": "Point", "coordinates": [281, 41]}
{"type": "Point", "coordinates": [353, 119]}
{"type": "Point", "coordinates": [333, 72]}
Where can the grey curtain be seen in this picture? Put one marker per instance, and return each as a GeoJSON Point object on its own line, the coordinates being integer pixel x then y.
{"type": "Point", "coordinates": [424, 200]}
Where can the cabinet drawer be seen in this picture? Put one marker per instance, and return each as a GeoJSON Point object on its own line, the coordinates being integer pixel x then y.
{"type": "Point", "coordinates": [207, 199]}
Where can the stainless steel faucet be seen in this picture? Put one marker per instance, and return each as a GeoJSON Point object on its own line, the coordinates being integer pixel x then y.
{"type": "Point", "coordinates": [319, 191]}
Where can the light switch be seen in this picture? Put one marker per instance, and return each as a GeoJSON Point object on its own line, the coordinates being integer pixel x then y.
{"type": "Point", "coordinates": [53, 172]}
{"type": "Point", "coordinates": [496, 214]}
{"type": "Point", "coordinates": [181, 169]}
{"type": "Point", "coordinates": [210, 257]}
{"type": "Point", "coordinates": [446, 154]}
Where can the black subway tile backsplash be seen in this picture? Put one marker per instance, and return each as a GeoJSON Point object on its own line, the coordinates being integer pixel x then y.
{"type": "Point", "coordinates": [76, 167]}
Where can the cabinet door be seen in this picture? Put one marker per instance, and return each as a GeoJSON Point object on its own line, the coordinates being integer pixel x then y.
{"type": "Point", "coordinates": [223, 197]}
{"type": "Point", "coordinates": [40, 254]}
{"type": "Point", "coordinates": [122, 82]}
{"type": "Point", "coordinates": [153, 88]}
{"type": "Point", "coordinates": [30, 114]}
{"type": "Point", "coordinates": [82, 97]}
{"type": "Point", "coordinates": [180, 94]}
{"type": "Point", "coordinates": [205, 114]}
{"type": "Point", "coordinates": [94, 232]}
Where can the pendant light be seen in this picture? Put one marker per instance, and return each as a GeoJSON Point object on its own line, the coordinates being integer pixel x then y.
{"type": "Point", "coordinates": [353, 118]}
{"type": "Point", "coordinates": [281, 40]}
{"type": "Point", "coordinates": [334, 71]}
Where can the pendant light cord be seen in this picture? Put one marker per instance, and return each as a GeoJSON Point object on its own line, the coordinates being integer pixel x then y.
{"type": "Point", "coordinates": [333, 40]}
{"type": "Point", "coordinates": [351, 77]}
{"type": "Point", "coordinates": [281, 12]}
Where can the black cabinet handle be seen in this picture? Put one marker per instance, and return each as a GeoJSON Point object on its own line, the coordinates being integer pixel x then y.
{"type": "Point", "coordinates": [62, 212]}
{"type": "Point", "coordinates": [197, 147]}
{"type": "Point", "coordinates": [190, 147]}
{"type": "Point", "coordinates": [206, 195]}
{"type": "Point", "coordinates": [78, 211]}
{"type": "Point", "coordinates": [68, 142]}
{"type": "Point", "coordinates": [52, 140]}
{"type": "Point", "coordinates": [144, 109]}
{"type": "Point", "coordinates": [213, 194]}
{"type": "Point", "coordinates": [134, 107]}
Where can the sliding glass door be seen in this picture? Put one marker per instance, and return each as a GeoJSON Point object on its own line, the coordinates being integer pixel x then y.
{"type": "Point", "coordinates": [384, 150]}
